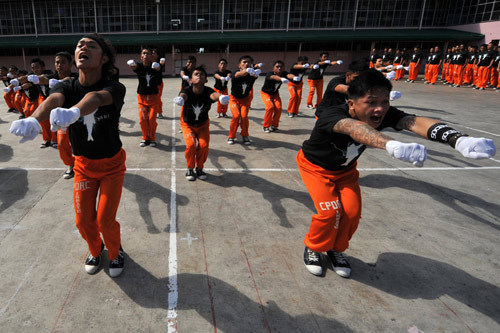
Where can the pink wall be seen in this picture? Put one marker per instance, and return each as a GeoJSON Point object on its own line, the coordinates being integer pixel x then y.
{"type": "Point", "coordinates": [490, 30]}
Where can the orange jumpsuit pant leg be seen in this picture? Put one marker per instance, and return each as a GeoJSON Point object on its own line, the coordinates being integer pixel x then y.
{"type": "Point", "coordinates": [64, 147]}
{"type": "Point", "coordinates": [295, 91]}
{"type": "Point", "coordinates": [221, 108]}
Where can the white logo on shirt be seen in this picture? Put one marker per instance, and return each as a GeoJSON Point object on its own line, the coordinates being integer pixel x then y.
{"type": "Point", "coordinates": [197, 110]}
{"type": "Point", "coordinates": [353, 151]}
{"type": "Point", "coordinates": [276, 86]}
{"type": "Point", "coordinates": [89, 121]}
{"type": "Point", "coordinates": [148, 78]}
{"type": "Point", "coordinates": [244, 86]}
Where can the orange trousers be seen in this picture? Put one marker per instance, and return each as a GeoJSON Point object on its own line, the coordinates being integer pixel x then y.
{"type": "Point", "coordinates": [426, 72]}
{"type": "Point", "coordinates": [47, 134]}
{"type": "Point", "coordinates": [414, 69]}
{"type": "Point", "coordinates": [483, 75]}
{"type": "Point", "coordinates": [433, 73]}
{"type": "Point", "coordinates": [221, 108]}
{"type": "Point", "coordinates": [295, 91]}
{"type": "Point", "coordinates": [494, 77]}
{"type": "Point", "coordinates": [19, 101]}
{"type": "Point", "coordinates": [64, 147]}
{"type": "Point", "coordinates": [337, 199]}
{"type": "Point", "coordinates": [239, 109]}
{"type": "Point", "coordinates": [160, 93]}
{"type": "Point", "coordinates": [273, 109]}
{"type": "Point", "coordinates": [458, 77]}
{"type": "Point", "coordinates": [9, 99]}
{"type": "Point", "coordinates": [197, 141]}
{"type": "Point", "coordinates": [96, 196]}
{"type": "Point", "coordinates": [469, 74]}
{"type": "Point", "coordinates": [450, 73]}
{"type": "Point", "coordinates": [148, 108]}
{"type": "Point", "coordinates": [444, 73]}
{"type": "Point", "coordinates": [476, 75]}
{"type": "Point", "coordinates": [315, 86]}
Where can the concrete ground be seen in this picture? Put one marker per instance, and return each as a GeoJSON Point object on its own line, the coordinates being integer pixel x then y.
{"type": "Point", "coordinates": [226, 254]}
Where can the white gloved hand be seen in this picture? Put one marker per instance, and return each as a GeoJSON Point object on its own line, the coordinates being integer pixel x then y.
{"type": "Point", "coordinates": [390, 75]}
{"type": "Point", "coordinates": [389, 67]}
{"type": "Point", "coordinates": [327, 61]}
{"type": "Point", "coordinates": [227, 78]}
{"type": "Point", "coordinates": [306, 65]}
{"type": "Point", "coordinates": [162, 61]}
{"type": "Point", "coordinates": [400, 67]}
{"type": "Point", "coordinates": [33, 78]}
{"type": "Point", "coordinates": [395, 95]}
{"type": "Point", "coordinates": [6, 89]}
{"type": "Point", "coordinates": [284, 80]}
{"type": "Point", "coordinates": [407, 68]}
{"type": "Point", "coordinates": [131, 63]}
{"type": "Point", "coordinates": [296, 78]}
{"type": "Point", "coordinates": [251, 71]}
{"type": "Point", "coordinates": [14, 82]}
{"type": "Point", "coordinates": [53, 82]}
{"type": "Point", "coordinates": [62, 117]}
{"type": "Point", "coordinates": [224, 99]}
{"type": "Point", "coordinates": [185, 78]}
{"type": "Point", "coordinates": [260, 64]}
{"type": "Point", "coordinates": [17, 88]}
{"type": "Point", "coordinates": [339, 62]}
{"type": "Point", "coordinates": [155, 65]}
{"type": "Point", "coordinates": [10, 75]}
{"type": "Point", "coordinates": [179, 101]}
{"type": "Point", "coordinates": [316, 66]}
{"type": "Point", "coordinates": [407, 152]}
{"type": "Point", "coordinates": [28, 128]}
{"type": "Point", "coordinates": [257, 72]}
{"type": "Point", "coordinates": [475, 148]}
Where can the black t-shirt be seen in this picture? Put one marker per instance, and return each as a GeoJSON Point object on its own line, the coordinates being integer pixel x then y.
{"type": "Point", "coordinates": [317, 74]}
{"type": "Point", "coordinates": [497, 60]}
{"type": "Point", "coordinates": [270, 86]}
{"type": "Point", "coordinates": [149, 79]}
{"type": "Point", "coordinates": [332, 97]}
{"type": "Point", "coordinates": [95, 135]}
{"type": "Point", "coordinates": [374, 56]}
{"type": "Point", "coordinates": [219, 85]}
{"type": "Point", "coordinates": [398, 58]}
{"type": "Point", "coordinates": [335, 151]}
{"type": "Point", "coordinates": [436, 58]}
{"type": "Point", "coordinates": [486, 57]}
{"type": "Point", "coordinates": [461, 58]}
{"type": "Point", "coordinates": [184, 83]}
{"type": "Point", "coordinates": [241, 86]}
{"type": "Point", "coordinates": [297, 72]}
{"type": "Point", "coordinates": [195, 111]}
{"type": "Point", "coordinates": [415, 57]}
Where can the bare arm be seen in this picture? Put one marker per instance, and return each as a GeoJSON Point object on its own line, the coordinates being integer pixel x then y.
{"type": "Point", "coordinates": [361, 133]}
{"type": "Point", "coordinates": [342, 88]}
{"type": "Point", "coordinates": [241, 73]}
{"type": "Point", "coordinates": [92, 100]}
{"type": "Point", "coordinates": [215, 96]}
{"type": "Point", "coordinates": [417, 125]}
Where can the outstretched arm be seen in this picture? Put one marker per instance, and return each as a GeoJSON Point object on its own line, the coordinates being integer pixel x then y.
{"type": "Point", "coordinates": [361, 133]}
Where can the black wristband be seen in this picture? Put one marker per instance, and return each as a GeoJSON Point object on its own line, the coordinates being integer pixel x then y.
{"type": "Point", "coordinates": [452, 139]}
{"type": "Point", "coordinates": [443, 133]}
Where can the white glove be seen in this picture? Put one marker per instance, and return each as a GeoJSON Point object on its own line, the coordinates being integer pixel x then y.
{"type": "Point", "coordinates": [407, 152]}
{"type": "Point", "coordinates": [185, 78]}
{"type": "Point", "coordinates": [17, 88]}
{"type": "Point", "coordinates": [260, 64]}
{"type": "Point", "coordinates": [390, 75]}
{"type": "Point", "coordinates": [389, 67]}
{"type": "Point", "coordinates": [179, 101]}
{"type": "Point", "coordinates": [327, 61]}
{"type": "Point", "coordinates": [224, 99]}
{"type": "Point", "coordinates": [284, 80]}
{"type": "Point", "coordinates": [6, 89]}
{"type": "Point", "coordinates": [339, 62]}
{"type": "Point", "coordinates": [228, 78]}
{"type": "Point", "coordinates": [34, 79]}
{"type": "Point", "coordinates": [306, 65]}
{"type": "Point", "coordinates": [53, 82]}
{"type": "Point", "coordinates": [400, 67]}
{"type": "Point", "coordinates": [395, 95]}
{"type": "Point", "coordinates": [316, 66]}
{"type": "Point", "coordinates": [62, 117]}
{"type": "Point", "coordinates": [14, 82]}
{"type": "Point", "coordinates": [131, 63]}
{"type": "Point", "coordinates": [407, 68]}
{"type": "Point", "coordinates": [28, 128]}
{"type": "Point", "coordinates": [251, 71]}
{"type": "Point", "coordinates": [155, 65]}
{"type": "Point", "coordinates": [162, 61]}
{"type": "Point", "coordinates": [257, 72]}
{"type": "Point", "coordinates": [475, 148]}
{"type": "Point", "coordinates": [10, 75]}
{"type": "Point", "coordinates": [296, 78]}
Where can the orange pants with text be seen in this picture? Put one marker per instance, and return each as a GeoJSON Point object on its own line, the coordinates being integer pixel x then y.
{"type": "Point", "coordinates": [273, 109]}
{"type": "Point", "coordinates": [315, 86]}
{"type": "Point", "coordinates": [295, 91]}
{"type": "Point", "coordinates": [197, 141]}
{"type": "Point", "coordinates": [149, 105]}
{"type": "Point", "coordinates": [96, 196]}
{"type": "Point", "coordinates": [221, 108]}
{"type": "Point", "coordinates": [239, 109]}
{"type": "Point", "coordinates": [64, 147]}
{"type": "Point", "coordinates": [337, 199]}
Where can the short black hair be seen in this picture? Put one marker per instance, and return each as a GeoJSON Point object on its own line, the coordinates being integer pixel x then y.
{"type": "Point", "coordinates": [302, 58]}
{"type": "Point", "coordinates": [222, 59]}
{"type": "Point", "coordinates": [200, 68]}
{"type": "Point", "coordinates": [278, 62]}
{"type": "Point", "coordinates": [367, 81]}
{"type": "Point", "coordinates": [38, 61]}
{"type": "Point", "coordinates": [192, 58]}
{"type": "Point", "coordinates": [246, 56]}
{"type": "Point", "coordinates": [64, 54]}
{"type": "Point", "coordinates": [3, 68]}
{"type": "Point", "coordinates": [358, 66]}
{"type": "Point", "coordinates": [324, 52]}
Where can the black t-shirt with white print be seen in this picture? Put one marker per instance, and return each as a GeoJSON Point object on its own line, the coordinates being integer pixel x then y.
{"type": "Point", "coordinates": [149, 79]}
{"type": "Point", "coordinates": [297, 72]}
{"type": "Point", "coordinates": [416, 56]}
{"type": "Point", "coordinates": [241, 86]}
{"type": "Point", "coordinates": [184, 83]}
{"type": "Point", "coordinates": [219, 85]}
{"type": "Point", "coordinates": [317, 74]}
{"type": "Point", "coordinates": [486, 57]}
{"type": "Point", "coordinates": [335, 151]}
{"type": "Point", "coordinates": [195, 111]}
{"type": "Point", "coordinates": [270, 86]}
{"type": "Point", "coordinates": [96, 135]}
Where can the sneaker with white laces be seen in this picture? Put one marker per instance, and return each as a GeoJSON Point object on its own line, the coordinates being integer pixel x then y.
{"type": "Point", "coordinates": [219, 115]}
{"type": "Point", "coordinates": [274, 129]}
{"type": "Point", "coordinates": [116, 265]}
{"type": "Point", "coordinates": [312, 260]}
{"type": "Point", "coordinates": [201, 174]}
{"type": "Point", "coordinates": [339, 263]}
{"type": "Point", "coordinates": [69, 173]}
{"type": "Point", "coordinates": [266, 129]}
{"type": "Point", "coordinates": [152, 144]}
{"type": "Point", "coordinates": [45, 144]}
{"type": "Point", "coordinates": [190, 175]}
{"type": "Point", "coordinates": [92, 264]}
{"type": "Point", "coordinates": [230, 141]}
{"type": "Point", "coordinates": [144, 143]}
{"type": "Point", "coordinates": [246, 141]}
{"type": "Point", "coordinates": [310, 107]}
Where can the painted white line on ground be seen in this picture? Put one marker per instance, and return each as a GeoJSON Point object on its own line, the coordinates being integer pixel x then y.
{"type": "Point", "coordinates": [172, 255]}
{"type": "Point", "coordinates": [478, 130]}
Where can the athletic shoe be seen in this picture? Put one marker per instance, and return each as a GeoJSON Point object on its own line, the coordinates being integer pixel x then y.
{"type": "Point", "coordinates": [152, 144]}
{"type": "Point", "coordinates": [266, 129]}
{"type": "Point", "coordinates": [53, 144]}
{"type": "Point", "coordinates": [45, 144]}
{"type": "Point", "coordinates": [144, 143]}
{"type": "Point", "coordinates": [310, 107]}
{"type": "Point", "coordinates": [69, 173]}
{"type": "Point", "coordinates": [230, 141]}
{"type": "Point", "coordinates": [12, 110]}
{"type": "Point", "coordinates": [274, 129]}
{"type": "Point", "coordinates": [160, 116]}
{"type": "Point", "coordinates": [225, 115]}
{"type": "Point", "coordinates": [457, 86]}
{"type": "Point", "coordinates": [246, 141]}
{"type": "Point", "coordinates": [92, 263]}
{"type": "Point", "coordinates": [290, 115]}
{"type": "Point", "coordinates": [339, 263]}
{"type": "Point", "coordinates": [190, 175]}
{"type": "Point", "coordinates": [201, 174]}
{"type": "Point", "coordinates": [433, 83]}
{"type": "Point", "coordinates": [218, 115]}
{"type": "Point", "coordinates": [22, 116]}
{"type": "Point", "coordinates": [312, 260]}
{"type": "Point", "coordinates": [481, 88]}
{"type": "Point", "coordinates": [116, 265]}
{"type": "Point", "coordinates": [445, 82]}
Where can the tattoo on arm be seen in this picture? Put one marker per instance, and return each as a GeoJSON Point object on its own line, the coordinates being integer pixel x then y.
{"type": "Point", "coordinates": [361, 133]}
{"type": "Point", "coordinates": [406, 123]}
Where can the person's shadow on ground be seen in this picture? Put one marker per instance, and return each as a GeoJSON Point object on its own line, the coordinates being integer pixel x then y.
{"type": "Point", "coordinates": [410, 276]}
{"type": "Point", "coordinates": [13, 187]}
{"type": "Point", "coordinates": [219, 303]}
